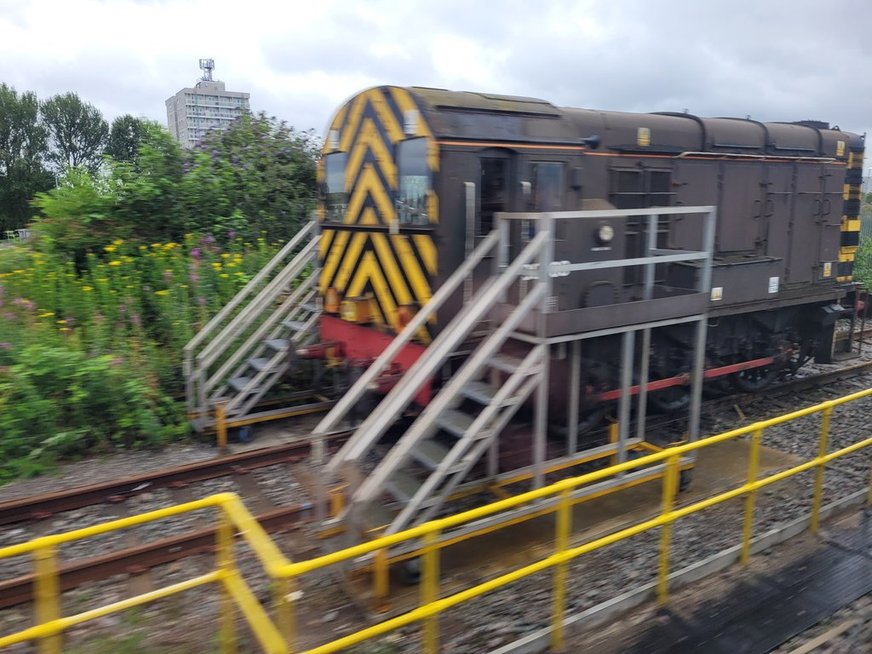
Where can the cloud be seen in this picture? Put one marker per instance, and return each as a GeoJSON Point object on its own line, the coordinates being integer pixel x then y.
{"type": "Point", "coordinates": [774, 60]}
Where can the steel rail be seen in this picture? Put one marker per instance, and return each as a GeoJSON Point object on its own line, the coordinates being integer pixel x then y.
{"type": "Point", "coordinates": [139, 559]}
{"type": "Point", "coordinates": [41, 506]}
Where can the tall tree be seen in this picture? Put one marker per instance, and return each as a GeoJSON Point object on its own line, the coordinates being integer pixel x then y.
{"type": "Point", "coordinates": [125, 136]}
{"type": "Point", "coordinates": [258, 177]}
{"type": "Point", "coordinates": [22, 153]}
{"type": "Point", "coordinates": [77, 132]}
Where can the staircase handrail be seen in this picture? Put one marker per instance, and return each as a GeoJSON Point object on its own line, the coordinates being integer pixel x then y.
{"type": "Point", "coordinates": [403, 448]}
{"type": "Point", "coordinates": [255, 339]}
{"type": "Point", "coordinates": [374, 426]}
{"type": "Point", "coordinates": [329, 422]}
{"type": "Point", "coordinates": [217, 319]}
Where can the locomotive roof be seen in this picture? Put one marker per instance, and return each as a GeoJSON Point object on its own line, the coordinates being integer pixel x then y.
{"type": "Point", "coordinates": [505, 118]}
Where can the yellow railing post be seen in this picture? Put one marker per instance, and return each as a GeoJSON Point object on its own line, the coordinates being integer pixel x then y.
{"type": "Point", "coordinates": [227, 565]}
{"type": "Point", "coordinates": [819, 472]}
{"type": "Point", "coordinates": [221, 426]}
{"type": "Point", "coordinates": [283, 598]}
{"type": "Point", "coordinates": [380, 580]}
{"type": "Point", "coordinates": [563, 529]}
{"type": "Point", "coordinates": [613, 439]}
{"type": "Point", "coordinates": [337, 500]}
{"type": "Point", "coordinates": [751, 497]}
{"type": "Point", "coordinates": [47, 593]}
{"type": "Point", "coordinates": [430, 591]}
{"type": "Point", "coordinates": [670, 488]}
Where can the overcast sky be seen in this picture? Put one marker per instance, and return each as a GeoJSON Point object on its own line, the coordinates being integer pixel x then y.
{"type": "Point", "coordinates": [770, 59]}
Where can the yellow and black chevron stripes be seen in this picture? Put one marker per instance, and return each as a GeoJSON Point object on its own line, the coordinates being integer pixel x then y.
{"type": "Point", "coordinates": [851, 194]}
{"type": "Point", "coordinates": [368, 254]}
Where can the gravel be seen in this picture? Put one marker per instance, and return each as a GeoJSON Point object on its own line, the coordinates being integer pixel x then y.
{"type": "Point", "coordinates": [106, 468]}
{"type": "Point", "coordinates": [479, 625]}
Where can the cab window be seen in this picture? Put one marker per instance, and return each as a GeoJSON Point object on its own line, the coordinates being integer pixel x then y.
{"type": "Point", "coordinates": [335, 197]}
{"type": "Point", "coordinates": [548, 183]}
{"type": "Point", "coordinates": [414, 175]}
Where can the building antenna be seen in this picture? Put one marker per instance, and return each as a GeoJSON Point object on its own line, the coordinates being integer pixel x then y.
{"type": "Point", "coordinates": [207, 66]}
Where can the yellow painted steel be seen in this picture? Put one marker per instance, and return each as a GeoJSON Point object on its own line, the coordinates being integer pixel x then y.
{"type": "Point", "coordinates": [226, 565]}
{"type": "Point", "coordinates": [236, 518]}
{"type": "Point", "coordinates": [670, 489]}
{"type": "Point", "coordinates": [380, 580]}
{"type": "Point", "coordinates": [563, 529]}
{"type": "Point", "coordinates": [430, 591]}
{"type": "Point", "coordinates": [221, 426]}
{"type": "Point", "coordinates": [47, 596]}
{"type": "Point", "coordinates": [750, 499]}
{"type": "Point", "coordinates": [819, 472]}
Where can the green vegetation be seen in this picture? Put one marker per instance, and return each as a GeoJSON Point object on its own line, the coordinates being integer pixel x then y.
{"type": "Point", "coordinates": [127, 261]}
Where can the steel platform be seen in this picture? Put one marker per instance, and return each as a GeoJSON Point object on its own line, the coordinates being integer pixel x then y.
{"type": "Point", "coordinates": [762, 613]}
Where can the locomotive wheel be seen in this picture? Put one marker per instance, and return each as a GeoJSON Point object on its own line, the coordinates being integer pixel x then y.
{"type": "Point", "coordinates": [669, 400]}
{"type": "Point", "coordinates": [754, 380]}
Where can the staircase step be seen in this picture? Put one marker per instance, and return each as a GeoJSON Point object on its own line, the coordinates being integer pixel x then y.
{"type": "Point", "coordinates": [455, 422]}
{"type": "Point", "coordinates": [403, 485]}
{"type": "Point", "coordinates": [259, 363]}
{"type": "Point", "coordinates": [430, 454]}
{"type": "Point", "coordinates": [238, 383]}
{"type": "Point", "coordinates": [294, 325]}
{"type": "Point", "coordinates": [505, 362]}
{"type": "Point", "coordinates": [311, 308]}
{"type": "Point", "coordinates": [277, 344]}
{"type": "Point", "coordinates": [481, 392]}
{"type": "Point", "coordinates": [376, 516]}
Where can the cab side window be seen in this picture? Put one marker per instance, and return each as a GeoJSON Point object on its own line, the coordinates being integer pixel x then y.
{"type": "Point", "coordinates": [415, 182]}
{"type": "Point", "coordinates": [335, 199]}
{"type": "Point", "coordinates": [547, 186]}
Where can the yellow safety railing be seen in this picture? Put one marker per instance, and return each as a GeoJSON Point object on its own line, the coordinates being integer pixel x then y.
{"type": "Point", "coordinates": [280, 637]}
{"type": "Point", "coordinates": [235, 593]}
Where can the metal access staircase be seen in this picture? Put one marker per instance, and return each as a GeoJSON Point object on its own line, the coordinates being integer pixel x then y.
{"type": "Point", "coordinates": [251, 343]}
{"type": "Point", "coordinates": [463, 420]}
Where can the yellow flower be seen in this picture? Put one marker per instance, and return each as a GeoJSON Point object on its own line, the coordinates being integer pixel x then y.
{"type": "Point", "coordinates": [115, 262]}
{"type": "Point", "coordinates": [61, 322]}
{"type": "Point", "coordinates": [155, 245]}
{"type": "Point", "coordinates": [224, 275]}
{"type": "Point", "coordinates": [118, 242]}
{"type": "Point", "coordinates": [109, 248]}
{"type": "Point", "coordinates": [216, 265]}
{"type": "Point", "coordinates": [46, 314]}
{"type": "Point", "coordinates": [142, 247]}
{"type": "Point", "coordinates": [65, 329]}
{"type": "Point", "coordinates": [225, 255]}
{"type": "Point", "coordinates": [87, 289]}
{"type": "Point", "coordinates": [162, 292]}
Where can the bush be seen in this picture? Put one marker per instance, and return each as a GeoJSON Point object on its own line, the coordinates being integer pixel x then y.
{"type": "Point", "coordinates": [57, 401]}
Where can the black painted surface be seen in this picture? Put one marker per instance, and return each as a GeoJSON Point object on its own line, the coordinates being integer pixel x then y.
{"type": "Point", "coordinates": [759, 615]}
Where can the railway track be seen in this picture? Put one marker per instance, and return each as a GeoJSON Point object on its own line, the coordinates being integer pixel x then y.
{"type": "Point", "coordinates": [39, 507]}
{"type": "Point", "coordinates": [138, 559]}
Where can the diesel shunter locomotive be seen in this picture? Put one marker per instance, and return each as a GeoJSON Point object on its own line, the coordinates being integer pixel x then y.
{"type": "Point", "coordinates": [412, 179]}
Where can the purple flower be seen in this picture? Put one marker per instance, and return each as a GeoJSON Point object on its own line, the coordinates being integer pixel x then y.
{"type": "Point", "coordinates": [5, 346]}
{"type": "Point", "coordinates": [196, 253]}
{"type": "Point", "coordinates": [231, 234]}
